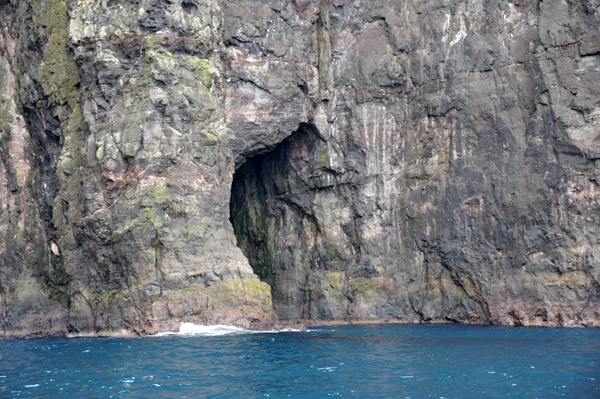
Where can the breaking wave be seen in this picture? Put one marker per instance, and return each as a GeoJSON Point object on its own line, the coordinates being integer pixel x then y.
{"type": "Point", "coordinates": [209, 331]}
{"type": "Point", "coordinates": [188, 329]}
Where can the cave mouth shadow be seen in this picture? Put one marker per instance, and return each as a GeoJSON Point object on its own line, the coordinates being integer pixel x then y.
{"type": "Point", "coordinates": [248, 214]}
{"type": "Point", "coordinates": [269, 211]}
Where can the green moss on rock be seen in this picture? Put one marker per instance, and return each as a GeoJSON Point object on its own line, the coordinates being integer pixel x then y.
{"type": "Point", "coordinates": [333, 281]}
{"type": "Point", "coordinates": [103, 297]}
{"type": "Point", "coordinates": [197, 231]}
{"type": "Point", "coordinates": [360, 286]}
{"type": "Point", "coordinates": [325, 157]}
{"type": "Point", "coordinates": [57, 73]}
{"type": "Point", "coordinates": [333, 253]}
{"type": "Point", "coordinates": [160, 195]}
{"type": "Point", "coordinates": [246, 291]}
{"type": "Point", "coordinates": [233, 292]}
{"type": "Point", "coordinates": [205, 68]}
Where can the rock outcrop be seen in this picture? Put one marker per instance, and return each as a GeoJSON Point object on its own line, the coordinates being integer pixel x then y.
{"type": "Point", "coordinates": [367, 160]}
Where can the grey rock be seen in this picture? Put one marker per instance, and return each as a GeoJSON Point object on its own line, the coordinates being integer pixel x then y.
{"type": "Point", "coordinates": [419, 161]}
{"type": "Point", "coordinates": [457, 174]}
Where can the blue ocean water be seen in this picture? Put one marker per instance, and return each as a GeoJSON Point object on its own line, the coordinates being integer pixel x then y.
{"type": "Point", "coordinates": [359, 361]}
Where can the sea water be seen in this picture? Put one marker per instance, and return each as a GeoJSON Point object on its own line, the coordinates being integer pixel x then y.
{"type": "Point", "coordinates": [357, 361]}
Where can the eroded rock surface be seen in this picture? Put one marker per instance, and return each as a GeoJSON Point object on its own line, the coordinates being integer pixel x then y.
{"type": "Point", "coordinates": [380, 160]}
{"type": "Point", "coordinates": [444, 163]}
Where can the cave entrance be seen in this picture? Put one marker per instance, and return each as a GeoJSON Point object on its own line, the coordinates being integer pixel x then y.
{"type": "Point", "coordinates": [250, 213]}
{"type": "Point", "coordinates": [271, 210]}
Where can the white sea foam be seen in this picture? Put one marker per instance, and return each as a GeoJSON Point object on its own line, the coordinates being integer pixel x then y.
{"type": "Point", "coordinates": [187, 329]}
{"type": "Point", "coordinates": [32, 386]}
{"type": "Point", "coordinates": [288, 329]}
{"type": "Point", "coordinates": [327, 369]}
{"type": "Point", "coordinates": [207, 331]}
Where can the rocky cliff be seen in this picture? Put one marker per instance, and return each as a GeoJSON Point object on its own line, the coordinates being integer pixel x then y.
{"type": "Point", "coordinates": [223, 161]}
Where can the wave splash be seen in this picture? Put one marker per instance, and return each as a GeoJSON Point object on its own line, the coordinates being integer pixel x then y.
{"type": "Point", "coordinates": [187, 329]}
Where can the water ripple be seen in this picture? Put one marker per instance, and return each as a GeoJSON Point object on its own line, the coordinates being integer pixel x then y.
{"type": "Point", "coordinates": [350, 361]}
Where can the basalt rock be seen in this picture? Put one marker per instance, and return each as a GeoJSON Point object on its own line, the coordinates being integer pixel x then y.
{"type": "Point", "coordinates": [444, 166]}
{"type": "Point", "coordinates": [169, 160]}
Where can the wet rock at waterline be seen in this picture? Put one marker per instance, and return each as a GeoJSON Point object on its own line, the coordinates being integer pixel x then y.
{"type": "Point", "coordinates": [220, 162]}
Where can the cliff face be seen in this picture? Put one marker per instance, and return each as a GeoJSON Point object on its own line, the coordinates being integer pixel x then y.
{"type": "Point", "coordinates": [413, 161]}
{"type": "Point", "coordinates": [445, 166]}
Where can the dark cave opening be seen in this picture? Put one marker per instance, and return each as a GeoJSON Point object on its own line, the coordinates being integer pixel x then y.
{"type": "Point", "coordinates": [249, 216]}
{"type": "Point", "coordinates": [260, 192]}
{"type": "Point", "coordinates": [271, 210]}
